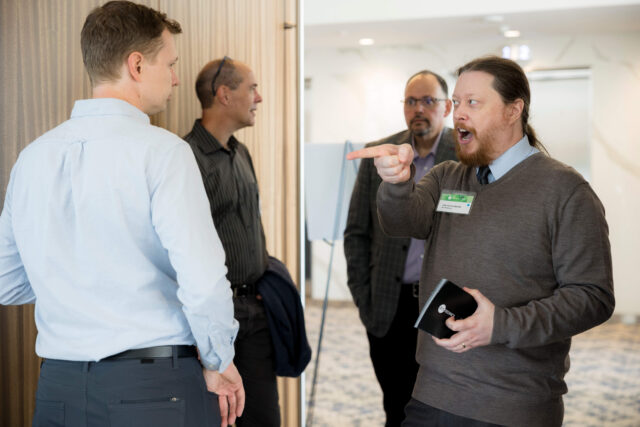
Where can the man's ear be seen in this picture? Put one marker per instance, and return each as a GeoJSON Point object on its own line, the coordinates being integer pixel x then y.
{"type": "Point", "coordinates": [514, 110]}
{"type": "Point", "coordinates": [134, 65]}
{"type": "Point", "coordinates": [223, 95]}
{"type": "Point", "coordinates": [447, 107]}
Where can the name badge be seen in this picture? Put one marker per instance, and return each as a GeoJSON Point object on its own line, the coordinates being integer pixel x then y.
{"type": "Point", "coordinates": [456, 202]}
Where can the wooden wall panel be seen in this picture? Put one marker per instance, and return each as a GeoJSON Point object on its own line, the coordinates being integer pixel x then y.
{"type": "Point", "coordinates": [291, 216]}
{"type": "Point", "coordinates": [43, 75]}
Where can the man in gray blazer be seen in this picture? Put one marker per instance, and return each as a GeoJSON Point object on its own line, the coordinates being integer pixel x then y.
{"type": "Point", "coordinates": [383, 272]}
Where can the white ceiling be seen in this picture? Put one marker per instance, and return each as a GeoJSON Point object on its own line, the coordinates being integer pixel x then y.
{"type": "Point", "coordinates": [613, 19]}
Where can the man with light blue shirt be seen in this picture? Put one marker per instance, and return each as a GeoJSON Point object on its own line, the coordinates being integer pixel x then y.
{"type": "Point", "coordinates": [530, 245]}
{"type": "Point", "coordinates": [106, 227]}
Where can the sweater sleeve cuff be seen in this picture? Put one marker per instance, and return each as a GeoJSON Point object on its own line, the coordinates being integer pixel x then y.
{"type": "Point", "coordinates": [499, 334]}
{"type": "Point", "coordinates": [401, 189]}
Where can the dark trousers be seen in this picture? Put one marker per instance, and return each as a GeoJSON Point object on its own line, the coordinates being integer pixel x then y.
{"type": "Point", "coordinates": [255, 362]}
{"type": "Point", "coordinates": [422, 415]}
{"type": "Point", "coordinates": [123, 393]}
{"type": "Point", "coordinates": [394, 358]}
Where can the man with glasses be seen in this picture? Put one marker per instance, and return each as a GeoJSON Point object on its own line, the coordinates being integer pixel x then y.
{"type": "Point", "coordinates": [383, 272]}
{"type": "Point", "coordinates": [229, 97]}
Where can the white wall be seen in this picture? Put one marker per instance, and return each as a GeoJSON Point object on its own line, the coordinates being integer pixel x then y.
{"type": "Point", "coordinates": [341, 11]}
{"type": "Point", "coordinates": [356, 95]}
{"type": "Point", "coordinates": [568, 139]}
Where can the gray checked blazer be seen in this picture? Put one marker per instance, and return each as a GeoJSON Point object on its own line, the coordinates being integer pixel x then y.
{"type": "Point", "coordinates": [375, 261]}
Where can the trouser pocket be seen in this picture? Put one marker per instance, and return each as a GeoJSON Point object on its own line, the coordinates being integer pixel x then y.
{"type": "Point", "coordinates": [168, 412]}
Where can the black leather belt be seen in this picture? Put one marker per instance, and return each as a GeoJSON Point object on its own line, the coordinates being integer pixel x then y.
{"type": "Point", "coordinates": [159, 352]}
{"type": "Point", "coordinates": [244, 289]}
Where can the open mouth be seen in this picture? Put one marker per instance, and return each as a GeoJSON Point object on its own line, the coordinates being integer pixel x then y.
{"type": "Point", "coordinates": [465, 135]}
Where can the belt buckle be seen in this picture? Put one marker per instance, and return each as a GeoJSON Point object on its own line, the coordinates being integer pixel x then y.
{"type": "Point", "coordinates": [415, 289]}
{"type": "Point", "coordinates": [242, 290]}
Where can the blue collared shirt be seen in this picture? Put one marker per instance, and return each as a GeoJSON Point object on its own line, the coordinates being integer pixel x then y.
{"type": "Point", "coordinates": [415, 252]}
{"type": "Point", "coordinates": [106, 226]}
{"type": "Point", "coordinates": [514, 155]}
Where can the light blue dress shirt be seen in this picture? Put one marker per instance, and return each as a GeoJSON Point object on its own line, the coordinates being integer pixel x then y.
{"type": "Point", "coordinates": [106, 226]}
{"type": "Point", "coordinates": [514, 155]}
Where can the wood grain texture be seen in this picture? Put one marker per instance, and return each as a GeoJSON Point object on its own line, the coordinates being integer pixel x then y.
{"type": "Point", "coordinates": [43, 75]}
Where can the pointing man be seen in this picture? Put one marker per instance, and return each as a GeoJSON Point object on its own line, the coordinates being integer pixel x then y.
{"type": "Point", "coordinates": [532, 249]}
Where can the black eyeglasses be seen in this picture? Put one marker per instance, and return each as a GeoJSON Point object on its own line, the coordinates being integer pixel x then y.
{"type": "Point", "coordinates": [215, 76]}
{"type": "Point", "coordinates": [426, 101]}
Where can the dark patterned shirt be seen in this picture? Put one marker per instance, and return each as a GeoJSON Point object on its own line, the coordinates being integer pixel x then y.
{"type": "Point", "coordinates": [231, 186]}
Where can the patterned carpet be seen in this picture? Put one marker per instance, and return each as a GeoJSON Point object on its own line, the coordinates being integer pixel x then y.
{"type": "Point", "coordinates": [604, 379]}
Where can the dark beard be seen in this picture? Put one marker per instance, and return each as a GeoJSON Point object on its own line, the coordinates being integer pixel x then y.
{"type": "Point", "coordinates": [423, 132]}
{"type": "Point", "coordinates": [478, 158]}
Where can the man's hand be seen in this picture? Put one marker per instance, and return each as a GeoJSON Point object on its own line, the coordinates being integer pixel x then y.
{"type": "Point", "coordinates": [393, 162]}
{"type": "Point", "coordinates": [228, 386]}
{"type": "Point", "coordinates": [474, 331]}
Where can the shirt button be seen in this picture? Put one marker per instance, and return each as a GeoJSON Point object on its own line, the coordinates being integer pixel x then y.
{"type": "Point", "coordinates": [421, 256]}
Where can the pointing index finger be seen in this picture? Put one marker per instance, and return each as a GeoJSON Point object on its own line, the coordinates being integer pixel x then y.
{"type": "Point", "coordinates": [372, 152]}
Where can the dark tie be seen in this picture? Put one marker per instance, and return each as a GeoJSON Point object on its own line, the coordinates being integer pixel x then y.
{"type": "Point", "coordinates": [483, 175]}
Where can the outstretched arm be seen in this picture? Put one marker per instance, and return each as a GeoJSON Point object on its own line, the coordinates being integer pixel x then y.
{"type": "Point", "coordinates": [404, 209]}
{"type": "Point", "coordinates": [393, 162]}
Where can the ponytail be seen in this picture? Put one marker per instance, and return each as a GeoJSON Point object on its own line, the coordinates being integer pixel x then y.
{"type": "Point", "coordinates": [533, 138]}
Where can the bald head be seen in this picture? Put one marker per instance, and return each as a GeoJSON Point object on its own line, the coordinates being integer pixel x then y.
{"type": "Point", "coordinates": [228, 93]}
{"type": "Point", "coordinates": [439, 79]}
{"type": "Point", "coordinates": [230, 74]}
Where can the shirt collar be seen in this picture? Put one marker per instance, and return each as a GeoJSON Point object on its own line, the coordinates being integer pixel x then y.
{"type": "Point", "coordinates": [514, 155]}
{"type": "Point", "coordinates": [208, 143]}
{"type": "Point", "coordinates": [433, 150]}
{"type": "Point", "coordinates": [107, 107]}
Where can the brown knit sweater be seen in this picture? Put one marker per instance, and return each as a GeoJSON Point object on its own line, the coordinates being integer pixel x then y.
{"type": "Point", "coordinates": [536, 244]}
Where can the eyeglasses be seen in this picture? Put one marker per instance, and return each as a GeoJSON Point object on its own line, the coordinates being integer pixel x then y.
{"type": "Point", "coordinates": [426, 101]}
{"type": "Point", "coordinates": [215, 76]}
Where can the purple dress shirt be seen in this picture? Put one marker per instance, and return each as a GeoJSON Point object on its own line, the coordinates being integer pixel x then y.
{"type": "Point", "coordinates": [413, 263]}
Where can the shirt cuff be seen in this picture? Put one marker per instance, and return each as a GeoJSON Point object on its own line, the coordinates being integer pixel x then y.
{"type": "Point", "coordinates": [220, 352]}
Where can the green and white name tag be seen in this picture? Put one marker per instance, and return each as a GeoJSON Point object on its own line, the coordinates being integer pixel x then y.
{"type": "Point", "coordinates": [457, 202]}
